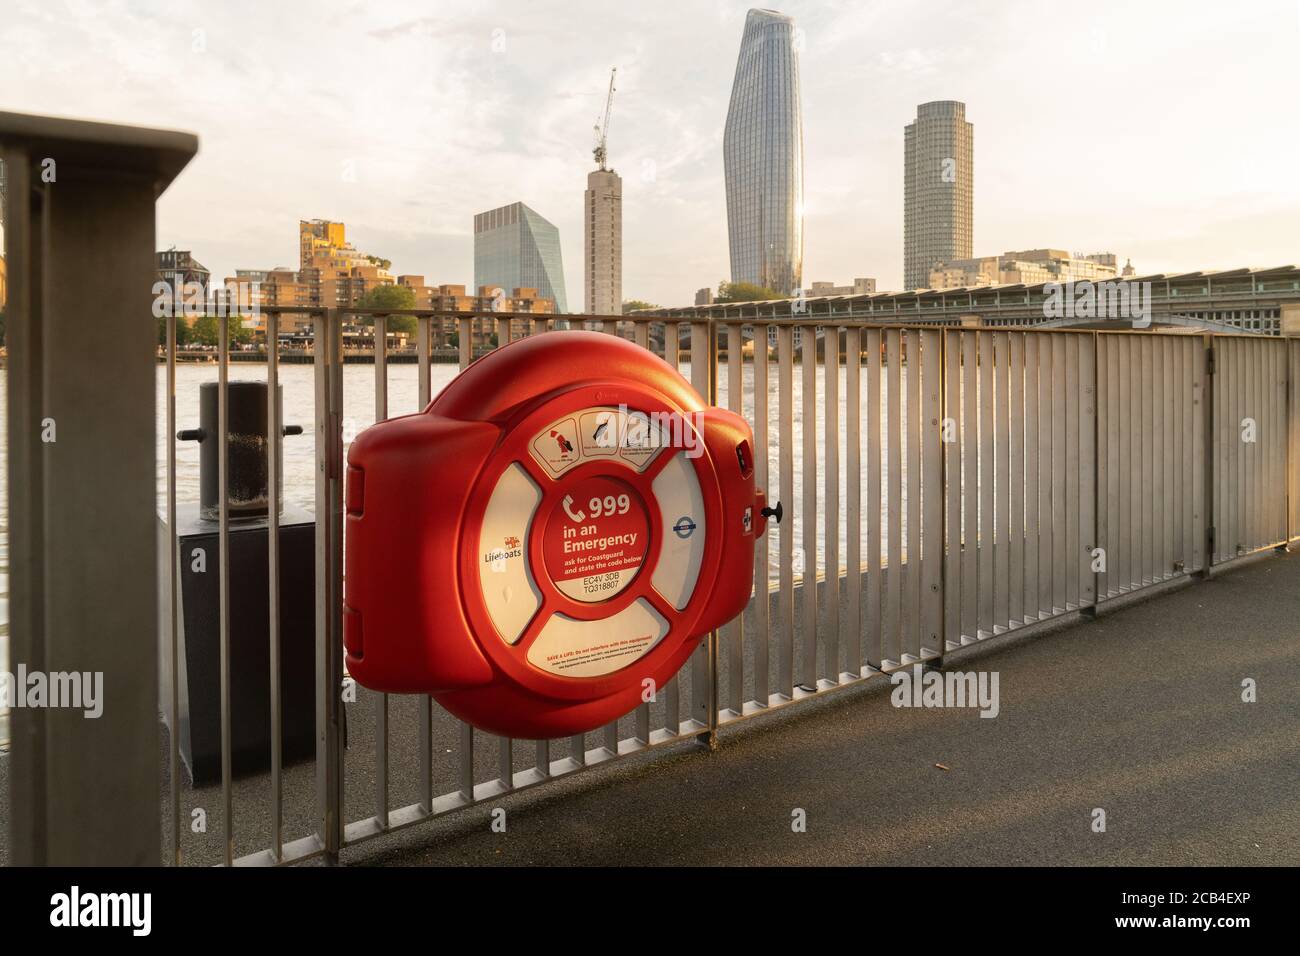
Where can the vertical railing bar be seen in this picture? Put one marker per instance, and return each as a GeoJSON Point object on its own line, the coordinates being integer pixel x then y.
{"type": "Point", "coordinates": [424, 715]}
{"type": "Point", "coordinates": [1186, 405]}
{"type": "Point", "coordinates": [1206, 492]}
{"type": "Point", "coordinates": [853, 490]}
{"type": "Point", "coordinates": [891, 637]}
{"type": "Point", "coordinates": [988, 432]}
{"type": "Point", "coordinates": [1016, 449]}
{"type": "Point", "coordinates": [762, 573]}
{"type": "Point", "coordinates": [1031, 605]}
{"type": "Point", "coordinates": [1087, 346]}
{"type": "Point", "coordinates": [930, 561]}
{"type": "Point", "coordinates": [1102, 495]}
{"type": "Point", "coordinates": [381, 700]}
{"type": "Point", "coordinates": [506, 745]}
{"type": "Point", "coordinates": [642, 334]}
{"type": "Point", "coordinates": [173, 623]}
{"type": "Point", "coordinates": [704, 662]}
{"type": "Point", "coordinates": [672, 691]}
{"type": "Point", "coordinates": [466, 762]}
{"type": "Point", "coordinates": [642, 729]}
{"type": "Point", "coordinates": [831, 495]}
{"type": "Point", "coordinates": [1060, 449]}
{"type": "Point", "coordinates": [734, 630]}
{"type": "Point", "coordinates": [875, 586]}
{"type": "Point", "coordinates": [951, 450]}
{"type": "Point", "coordinates": [1250, 453]}
{"type": "Point", "coordinates": [808, 538]}
{"type": "Point", "coordinates": [329, 517]}
{"type": "Point", "coordinates": [274, 439]}
{"type": "Point", "coordinates": [578, 747]}
{"type": "Point", "coordinates": [785, 452]}
{"type": "Point", "coordinates": [542, 757]}
{"type": "Point", "coordinates": [465, 342]}
{"type": "Point", "coordinates": [970, 458]}
{"type": "Point", "coordinates": [1073, 488]}
{"type": "Point", "coordinates": [465, 346]}
{"type": "Point", "coordinates": [1170, 435]}
{"type": "Point", "coordinates": [1001, 481]}
{"type": "Point", "coordinates": [1149, 464]}
{"type": "Point", "coordinates": [1046, 479]}
{"type": "Point", "coordinates": [1121, 554]}
{"type": "Point", "coordinates": [506, 755]}
{"type": "Point", "coordinates": [1160, 490]}
{"type": "Point", "coordinates": [223, 538]}
{"type": "Point", "coordinates": [910, 638]}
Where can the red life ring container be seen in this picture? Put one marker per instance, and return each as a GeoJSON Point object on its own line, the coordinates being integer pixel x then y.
{"type": "Point", "coordinates": [564, 522]}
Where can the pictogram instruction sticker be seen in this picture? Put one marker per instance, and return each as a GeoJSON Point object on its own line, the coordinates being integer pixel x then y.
{"type": "Point", "coordinates": [642, 439]}
{"type": "Point", "coordinates": [596, 539]}
{"type": "Point", "coordinates": [601, 431]}
{"type": "Point", "coordinates": [557, 446]}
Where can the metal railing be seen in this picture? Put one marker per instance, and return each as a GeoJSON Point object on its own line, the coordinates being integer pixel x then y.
{"type": "Point", "coordinates": [942, 486]}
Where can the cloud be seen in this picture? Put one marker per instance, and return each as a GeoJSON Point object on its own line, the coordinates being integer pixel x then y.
{"type": "Point", "coordinates": [1124, 133]}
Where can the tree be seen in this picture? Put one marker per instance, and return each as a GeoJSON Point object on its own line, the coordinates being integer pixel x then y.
{"type": "Point", "coordinates": [206, 330]}
{"type": "Point", "coordinates": [744, 292]}
{"type": "Point", "coordinates": [384, 264]}
{"type": "Point", "coordinates": [633, 305]}
{"type": "Point", "coordinates": [391, 297]}
{"type": "Point", "coordinates": [182, 332]}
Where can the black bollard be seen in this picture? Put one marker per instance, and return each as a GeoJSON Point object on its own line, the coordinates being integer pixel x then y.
{"type": "Point", "coordinates": [246, 461]}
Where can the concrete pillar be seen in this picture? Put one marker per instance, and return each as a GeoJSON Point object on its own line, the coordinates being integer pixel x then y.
{"type": "Point", "coordinates": [83, 588]}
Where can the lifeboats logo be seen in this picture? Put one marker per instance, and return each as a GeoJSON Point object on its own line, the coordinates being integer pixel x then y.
{"type": "Point", "coordinates": [651, 430]}
{"type": "Point", "coordinates": [76, 909]}
{"type": "Point", "coordinates": [73, 690]}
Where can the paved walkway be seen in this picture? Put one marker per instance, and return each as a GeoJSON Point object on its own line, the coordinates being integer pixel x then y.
{"type": "Point", "coordinates": [1138, 712]}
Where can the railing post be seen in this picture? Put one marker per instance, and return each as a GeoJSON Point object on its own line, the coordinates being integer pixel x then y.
{"type": "Point", "coordinates": [704, 672]}
{"type": "Point", "coordinates": [1208, 398]}
{"type": "Point", "coordinates": [329, 579]}
{"type": "Point", "coordinates": [1098, 502]}
{"type": "Point", "coordinates": [81, 483]}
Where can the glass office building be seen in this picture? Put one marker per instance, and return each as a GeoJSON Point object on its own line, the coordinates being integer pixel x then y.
{"type": "Point", "coordinates": [515, 248]}
{"type": "Point", "coordinates": [762, 150]}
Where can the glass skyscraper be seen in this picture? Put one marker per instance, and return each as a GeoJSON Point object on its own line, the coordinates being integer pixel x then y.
{"type": "Point", "coordinates": [515, 248]}
{"type": "Point", "coordinates": [762, 150]}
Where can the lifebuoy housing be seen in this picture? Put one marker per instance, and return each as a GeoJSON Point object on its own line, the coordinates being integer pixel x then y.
{"type": "Point", "coordinates": [565, 521]}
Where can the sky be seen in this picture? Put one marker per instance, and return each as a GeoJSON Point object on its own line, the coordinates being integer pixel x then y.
{"type": "Point", "coordinates": [1168, 132]}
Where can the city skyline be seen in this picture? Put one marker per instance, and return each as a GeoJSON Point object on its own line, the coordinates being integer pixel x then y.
{"type": "Point", "coordinates": [512, 94]}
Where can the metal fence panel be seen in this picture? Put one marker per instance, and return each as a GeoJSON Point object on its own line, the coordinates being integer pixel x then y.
{"type": "Point", "coordinates": [995, 461]}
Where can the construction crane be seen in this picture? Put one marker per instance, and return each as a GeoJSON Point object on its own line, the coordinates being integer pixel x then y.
{"type": "Point", "coordinates": [602, 127]}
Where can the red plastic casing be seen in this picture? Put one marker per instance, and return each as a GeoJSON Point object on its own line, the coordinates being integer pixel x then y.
{"type": "Point", "coordinates": [415, 617]}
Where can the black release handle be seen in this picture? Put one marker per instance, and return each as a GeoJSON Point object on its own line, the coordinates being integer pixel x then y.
{"type": "Point", "coordinates": [197, 434]}
{"type": "Point", "coordinates": [776, 512]}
